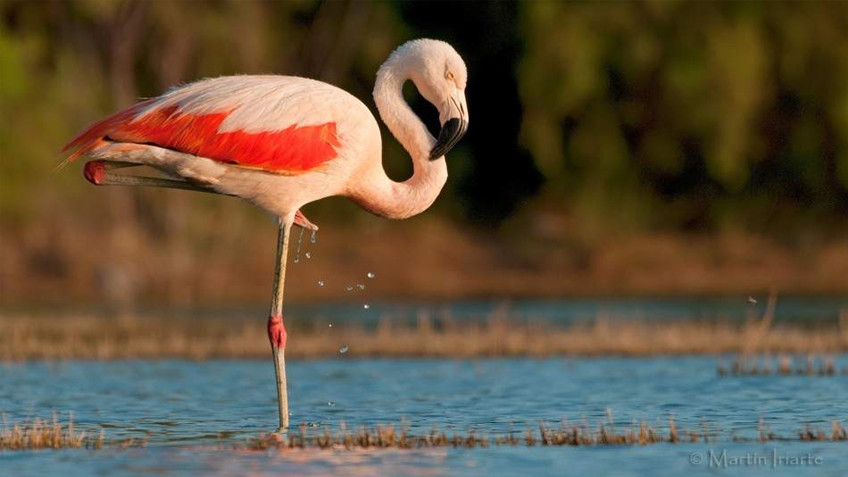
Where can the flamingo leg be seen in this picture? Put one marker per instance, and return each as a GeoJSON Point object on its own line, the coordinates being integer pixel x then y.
{"type": "Point", "coordinates": [100, 172]}
{"type": "Point", "coordinates": [276, 328]}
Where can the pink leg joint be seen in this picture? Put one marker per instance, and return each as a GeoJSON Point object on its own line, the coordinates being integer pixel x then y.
{"type": "Point", "coordinates": [277, 332]}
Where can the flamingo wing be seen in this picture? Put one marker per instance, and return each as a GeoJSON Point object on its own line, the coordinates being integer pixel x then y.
{"type": "Point", "coordinates": [274, 123]}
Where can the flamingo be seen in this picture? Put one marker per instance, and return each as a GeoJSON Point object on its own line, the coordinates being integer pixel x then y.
{"type": "Point", "coordinates": [281, 142]}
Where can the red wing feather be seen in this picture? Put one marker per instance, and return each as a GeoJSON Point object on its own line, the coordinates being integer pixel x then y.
{"type": "Point", "coordinates": [92, 137]}
{"type": "Point", "coordinates": [291, 150]}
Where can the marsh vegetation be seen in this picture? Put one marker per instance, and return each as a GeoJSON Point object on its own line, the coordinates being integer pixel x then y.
{"type": "Point", "coordinates": [27, 337]}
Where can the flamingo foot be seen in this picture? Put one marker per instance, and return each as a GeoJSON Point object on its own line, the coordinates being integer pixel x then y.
{"type": "Point", "coordinates": [97, 172]}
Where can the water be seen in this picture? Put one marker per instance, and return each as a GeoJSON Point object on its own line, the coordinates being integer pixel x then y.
{"type": "Point", "coordinates": [299, 241]}
{"type": "Point", "coordinates": [192, 413]}
{"type": "Point", "coordinates": [797, 310]}
{"type": "Point", "coordinates": [794, 309]}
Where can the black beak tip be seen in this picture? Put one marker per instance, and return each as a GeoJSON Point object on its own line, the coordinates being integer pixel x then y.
{"type": "Point", "coordinates": [452, 131]}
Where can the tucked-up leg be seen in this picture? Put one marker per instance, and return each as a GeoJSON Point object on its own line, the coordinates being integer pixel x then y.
{"type": "Point", "coordinates": [101, 172]}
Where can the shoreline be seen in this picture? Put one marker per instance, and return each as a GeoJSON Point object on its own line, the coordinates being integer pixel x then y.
{"type": "Point", "coordinates": [448, 263]}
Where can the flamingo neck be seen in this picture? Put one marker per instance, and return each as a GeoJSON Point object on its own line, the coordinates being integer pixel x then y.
{"type": "Point", "coordinates": [381, 195]}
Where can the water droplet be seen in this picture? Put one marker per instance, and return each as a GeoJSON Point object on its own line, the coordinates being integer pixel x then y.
{"type": "Point", "coordinates": [371, 275]}
{"type": "Point", "coordinates": [349, 288]}
{"type": "Point", "coordinates": [297, 251]}
{"type": "Point", "coordinates": [366, 306]}
{"type": "Point", "coordinates": [343, 349]}
{"type": "Point", "coordinates": [320, 283]}
{"type": "Point", "coordinates": [314, 237]}
{"type": "Point", "coordinates": [307, 255]}
{"type": "Point", "coordinates": [360, 286]}
{"type": "Point", "coordinates": [331, 403]}
{"type": "Point", "coordinates": [752, 300]}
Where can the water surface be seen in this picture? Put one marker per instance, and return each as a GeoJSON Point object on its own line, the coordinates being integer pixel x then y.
{"type": "Point", "coordinates": [193, 413]}
{"type": "Point", "coordinates": [814, 310]}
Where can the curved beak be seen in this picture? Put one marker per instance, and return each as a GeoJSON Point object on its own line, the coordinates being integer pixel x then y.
{"type": "Point", "coordinates": [454, 127]}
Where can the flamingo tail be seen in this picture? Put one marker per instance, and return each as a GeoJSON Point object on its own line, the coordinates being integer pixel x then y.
{"type": "Point", "coordinates": [93, 136]}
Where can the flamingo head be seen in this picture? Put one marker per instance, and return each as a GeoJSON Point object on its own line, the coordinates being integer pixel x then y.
{"type": "Point", "coordinates": [440, 75]}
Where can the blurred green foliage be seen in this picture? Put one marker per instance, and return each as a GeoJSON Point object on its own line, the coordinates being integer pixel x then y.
{"type": "Point", "coordinates": [650, 114]}
{"type": "Point", "coordinates": [690, 114]}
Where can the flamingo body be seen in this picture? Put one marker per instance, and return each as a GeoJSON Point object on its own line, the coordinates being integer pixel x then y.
{"type": "Point", "coordinates": [273, 123]}
{"type": "Point", "coordinates": [263, 138]}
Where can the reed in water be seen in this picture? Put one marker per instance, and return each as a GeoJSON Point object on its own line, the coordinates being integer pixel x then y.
{"type": "Point", "coordinates": [34, 434]}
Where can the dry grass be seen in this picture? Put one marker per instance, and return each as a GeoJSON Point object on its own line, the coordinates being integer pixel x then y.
{"type": "Point", "coordinates": [47, 434]}
{"type": "Point", "coordinates": [757, 329]}
{"type": "Point", "coordinates": [391, 436]}
{"type": "Point", "coordinates": [89, 337]}
{"type": "Point", "coordinates": [53, 434]}
{"type": "Point", "coordinates": [566, 434]}
{"type": "Point", "coordinates": [782, 366]}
